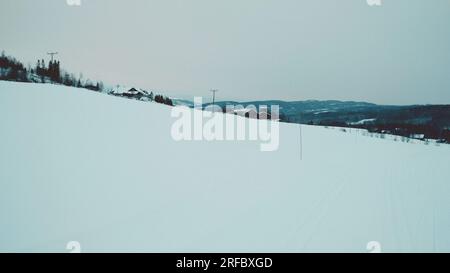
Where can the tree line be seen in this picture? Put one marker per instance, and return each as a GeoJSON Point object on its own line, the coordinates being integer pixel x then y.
{"type": "Point", "coordinates": [13, 70]}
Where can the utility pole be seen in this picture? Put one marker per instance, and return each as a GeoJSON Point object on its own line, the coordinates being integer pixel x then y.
{"type": "Point", "coordinates": [301, 143]}
{"type": "Point", "coordinates": [52, 54]}
{"type": "Point", "coordinates": [214, 91]}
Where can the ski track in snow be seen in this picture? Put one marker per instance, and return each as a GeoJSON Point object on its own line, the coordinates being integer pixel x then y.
{"type": "Point", "coordinates": [76, 165]}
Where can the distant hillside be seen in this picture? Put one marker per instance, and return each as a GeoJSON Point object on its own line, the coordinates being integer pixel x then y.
{"type": "Point", "coordinates": [415, 121]}
{"type": "Point", "coordinates": [12, 69]}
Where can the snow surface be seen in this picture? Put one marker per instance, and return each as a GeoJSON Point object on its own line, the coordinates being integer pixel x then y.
{"type": "Point", "coordinates": [76, 165]}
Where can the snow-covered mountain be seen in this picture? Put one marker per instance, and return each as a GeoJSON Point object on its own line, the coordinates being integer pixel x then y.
{"type": "Point", "coordinates": [103, 171]}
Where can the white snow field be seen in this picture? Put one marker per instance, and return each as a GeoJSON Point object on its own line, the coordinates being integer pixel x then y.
{"type": "Point", "coordinates": [76, 165]}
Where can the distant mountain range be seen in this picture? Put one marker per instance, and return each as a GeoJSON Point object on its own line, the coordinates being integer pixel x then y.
{"type": "Point", "coordinates": [416, 121]}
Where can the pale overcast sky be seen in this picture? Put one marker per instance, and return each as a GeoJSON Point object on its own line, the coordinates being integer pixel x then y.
{"type": "Point", "coordinates": [398, 53]}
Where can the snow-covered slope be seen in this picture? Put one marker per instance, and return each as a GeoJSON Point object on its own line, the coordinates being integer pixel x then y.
{"type": "Point", "coordinates": [80, 166]}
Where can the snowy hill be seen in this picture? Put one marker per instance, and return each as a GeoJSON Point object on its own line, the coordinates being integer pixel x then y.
{"type": "Point", "coordinates": [104, 171]}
